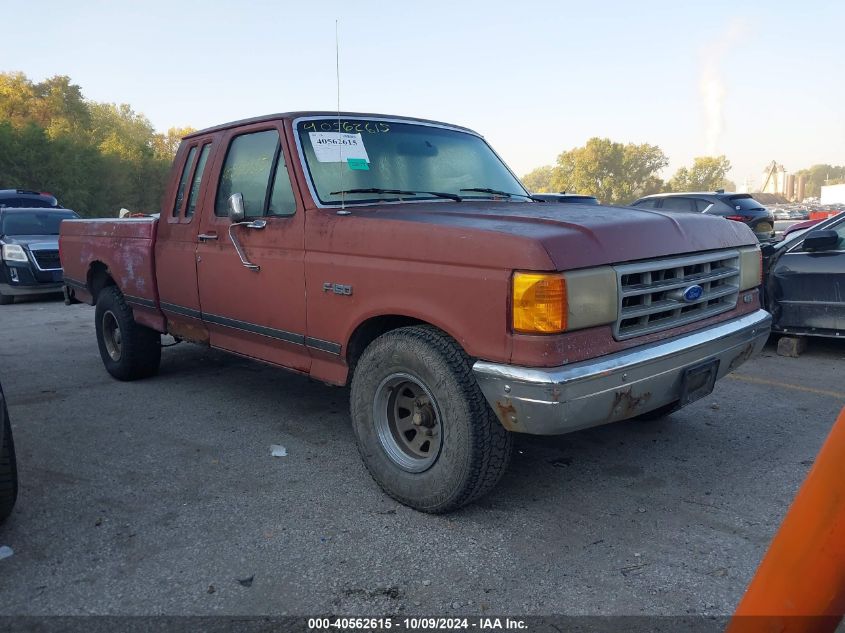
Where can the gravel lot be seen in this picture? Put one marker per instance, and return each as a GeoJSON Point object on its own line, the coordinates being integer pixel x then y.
{"type": "Point", "coordinates": [161, 497]}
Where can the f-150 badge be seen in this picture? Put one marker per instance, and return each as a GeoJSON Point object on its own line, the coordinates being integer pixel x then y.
{"type": "Point", "coordinates": [338, 289]}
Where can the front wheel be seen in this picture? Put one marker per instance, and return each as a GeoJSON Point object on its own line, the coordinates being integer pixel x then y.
{"type": "Point", "coordinates": [422, 425]}
{"type": "Point", "coordinates": [129, 350]}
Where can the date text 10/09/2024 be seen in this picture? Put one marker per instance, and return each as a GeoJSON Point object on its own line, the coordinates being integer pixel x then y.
{"type": "Point", "coordinates": [416, 624]}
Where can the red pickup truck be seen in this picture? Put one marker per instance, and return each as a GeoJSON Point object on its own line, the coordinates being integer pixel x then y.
{"type": "Point", "coordinates": [403, 257]}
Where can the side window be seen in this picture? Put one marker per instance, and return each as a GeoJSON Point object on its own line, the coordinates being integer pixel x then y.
{"type": "Point", "coordinates": [183, 181]}
{"type": "Point", "coordinates": [282, 201]}
{"type": "Point", "coordinates": [197, 181]}
{"type": "Point", "coordinates": [650, 203]}
{"type": "Point", "coordinates": [247, 169]}
{"type": "Point", "coordinates": [671, 203]}
{"type": "Point", "coordinates": [702, 205]}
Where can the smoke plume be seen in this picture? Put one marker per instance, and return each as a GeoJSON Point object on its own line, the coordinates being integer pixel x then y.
{"type": "Point", "coordinates": [711, 84]}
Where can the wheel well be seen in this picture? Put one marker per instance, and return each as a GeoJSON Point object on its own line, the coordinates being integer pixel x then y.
{"type": "Point", "coordinates": [98, 278]}
{"type": "Point", "coordinates": [370, 330]}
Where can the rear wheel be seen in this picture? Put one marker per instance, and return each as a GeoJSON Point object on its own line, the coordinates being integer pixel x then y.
{"type": "Point", "coordinates": [6, 299]}
{"type": "Point", "coordinates": [8, 465]}
{"type": "Point", "coordinates": [423, 428]}
{"type": "Point", "coordinates": [129, 350]}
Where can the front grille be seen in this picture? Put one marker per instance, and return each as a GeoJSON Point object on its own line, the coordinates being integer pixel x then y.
{"type": "Point", "coordinates": [47, 259]}
{"type": "Point", "coordinates": [651, 293]}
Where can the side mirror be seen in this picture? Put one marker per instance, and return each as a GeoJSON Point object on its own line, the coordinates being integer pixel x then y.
{"type": "Point", "coordinates": [236, 207]}
{"type": "Point", "coordinates": [821, 240]}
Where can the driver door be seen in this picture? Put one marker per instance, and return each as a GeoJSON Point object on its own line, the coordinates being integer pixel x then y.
{"type": "Point", "coordinates": [257, 311]}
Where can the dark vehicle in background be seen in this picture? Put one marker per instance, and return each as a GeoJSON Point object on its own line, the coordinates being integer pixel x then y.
{"type": "Point", "coordinates": [572, 198]}
{"type": "Point", "coordinates": [741, 207]}
{"type": "Point", "coordinates": [805, 280]}
{"type": "Point", "coordinates": [29, 259]}
{"type": "Point", "coordinates": [8, 466]}
{"type": "Point", "coordinates": [25, 199]}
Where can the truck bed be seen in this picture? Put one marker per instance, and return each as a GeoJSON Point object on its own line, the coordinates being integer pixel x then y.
{"type": "Point", "coordinates": [124, 249]}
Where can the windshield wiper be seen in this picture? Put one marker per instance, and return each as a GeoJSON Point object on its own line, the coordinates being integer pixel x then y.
{"type": "Point", "coordinates": [399, 192]}
{"type": "Point", "coordinates": [505, 194]}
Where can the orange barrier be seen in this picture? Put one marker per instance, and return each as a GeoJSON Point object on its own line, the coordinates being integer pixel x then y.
{"type": "Point", "coordinates": [800, 584]}
{"type": "Point", "coordinates": [822, 215]}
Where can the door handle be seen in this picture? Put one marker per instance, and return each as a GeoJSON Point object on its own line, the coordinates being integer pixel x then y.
{"type": "Point", "coordinates": [207, 237]}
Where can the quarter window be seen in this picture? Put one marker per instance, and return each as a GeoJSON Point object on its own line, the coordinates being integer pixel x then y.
{"type": "Point", "coordinates": [183, 181]}
{"type": "Point", "coordinates": [282, 201]}
{"type": "Point", "coordinates": [197, 181]}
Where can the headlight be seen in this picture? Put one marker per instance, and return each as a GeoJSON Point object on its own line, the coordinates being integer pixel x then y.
{"type": "Point", "coordinates": [13, 253]}
{"type": "Point", "coordinates": [750, 267]}
{"type": "Point", "coordinates": [551, 303]}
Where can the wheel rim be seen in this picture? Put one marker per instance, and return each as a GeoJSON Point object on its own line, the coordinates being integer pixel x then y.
{"type": "Point", "coordinates": [111, 335]}
{"type": "Point", "coordinates": [407, 420]}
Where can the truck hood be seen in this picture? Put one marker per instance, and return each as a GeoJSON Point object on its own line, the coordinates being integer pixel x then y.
{"type": "Point", "coordinates": [572, 235]}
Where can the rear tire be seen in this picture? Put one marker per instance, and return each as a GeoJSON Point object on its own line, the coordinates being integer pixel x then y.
{"type": "Point", "coordinates": [129, 350]}
{"type": "Point", "coordinates": [8, 466]}
{"type": "Point", "coordinates": [6, 299]}
{"type": "Point", "coordinates": [423, 428]}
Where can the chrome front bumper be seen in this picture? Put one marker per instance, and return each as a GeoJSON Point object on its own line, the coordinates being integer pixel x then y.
{"type": "Point", "coordinates": [557, 400]}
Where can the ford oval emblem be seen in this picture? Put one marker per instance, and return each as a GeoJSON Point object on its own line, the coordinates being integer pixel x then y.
{"type": "Point", "coordinates": [691, 293]}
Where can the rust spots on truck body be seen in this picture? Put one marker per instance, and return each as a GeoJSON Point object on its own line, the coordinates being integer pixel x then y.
{"type": "Point", "coordinates": [507, 414]}
{"type": "Point", "coordinates": [746, 353]}
{"type": "Point", "coordinates": [626, 404]}
{"type": "Point", "coordinates": [187, 331]}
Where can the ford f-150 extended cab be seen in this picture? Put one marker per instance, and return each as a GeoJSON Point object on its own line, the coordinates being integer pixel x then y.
{"type": "Point", "coordinates": [402, 257]}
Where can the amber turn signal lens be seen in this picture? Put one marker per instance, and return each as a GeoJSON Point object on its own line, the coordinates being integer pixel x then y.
{"type": "Point", "coordinates": [539, 303]}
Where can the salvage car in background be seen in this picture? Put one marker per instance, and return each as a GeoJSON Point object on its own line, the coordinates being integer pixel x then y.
{"type": "Point", "coordinates": [570, 198]}
{"type": "Point", "coordinates": [805, 280]}
{"type": "Point", "coordinates": [740, 207]}
{"type": "Point", "coordinates": [29, 239]}
{"type": "Point", "coordinates": [8, 466]}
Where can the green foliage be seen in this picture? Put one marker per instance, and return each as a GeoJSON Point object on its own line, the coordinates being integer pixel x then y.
{"type": "Point", "coordinates": [707, 173]}
{"type": "Point", "coordinates": [539, 180]}
{"type": "Point", "coordinates": [819, 175]}
{"type": "Point", "coordinates": [613, 172]}
{"type": "Point", "coordinates": [94, 157]}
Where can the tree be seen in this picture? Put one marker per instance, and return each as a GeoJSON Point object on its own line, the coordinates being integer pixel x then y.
{"type": "Point", "coordinates": [612, 172]}
{"type": "Point", "coordinates": [707, 173]}
{"type": "Point", "coordinates": [95, 157]}
{"type": "Point", "coordinates": [819, 175]}
{"type": "Point", "coordinates": [165, 145]}
{"type": "Point", "coordinates": [539, 180]}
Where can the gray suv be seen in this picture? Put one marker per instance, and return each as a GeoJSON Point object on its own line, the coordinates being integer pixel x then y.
{"type": "Point", "coordinates": [740, 207]}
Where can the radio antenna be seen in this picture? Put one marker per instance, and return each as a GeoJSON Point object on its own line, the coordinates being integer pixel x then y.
{"type": "Point", "coordinates": [340, 145]}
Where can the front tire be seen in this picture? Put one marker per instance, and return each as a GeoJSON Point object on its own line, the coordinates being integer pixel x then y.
{"type": "Point", "coordinates": [129, 350]}
{"type": "Point", "coordinates": [8, 465]}
{"type": "Point", "coordinates": [422, 425]}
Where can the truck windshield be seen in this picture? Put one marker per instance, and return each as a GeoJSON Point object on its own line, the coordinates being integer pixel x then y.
{"type": "Point", "coordinates": [384, 154]}
{"type": "Point", "coordinates": [34, 222]}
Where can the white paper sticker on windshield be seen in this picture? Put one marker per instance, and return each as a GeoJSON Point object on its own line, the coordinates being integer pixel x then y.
{"type": "Point", "coordinates": [338, 147]}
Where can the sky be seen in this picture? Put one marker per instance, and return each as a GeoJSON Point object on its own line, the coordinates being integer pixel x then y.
{"type": "Point", "coordinates": [756, 81]}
